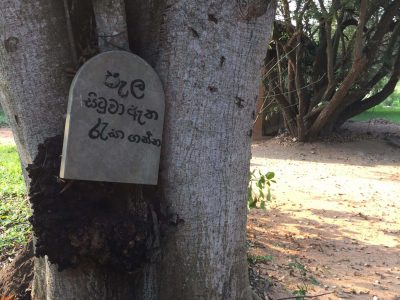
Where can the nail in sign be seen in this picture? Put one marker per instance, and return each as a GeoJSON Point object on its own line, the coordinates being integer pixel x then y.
{"type": "Point", "coordinates": [114, 122]}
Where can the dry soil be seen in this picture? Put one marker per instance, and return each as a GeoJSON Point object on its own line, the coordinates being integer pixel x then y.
{"type": "Point", "coordinates": [333, 225]}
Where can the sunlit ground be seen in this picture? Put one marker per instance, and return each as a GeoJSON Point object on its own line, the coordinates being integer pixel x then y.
{"type": "Point", "coordinates": [336, 212]}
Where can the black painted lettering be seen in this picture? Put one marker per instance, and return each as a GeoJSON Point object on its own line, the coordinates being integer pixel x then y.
{"type": "Point", "coordinates": [138, 84]}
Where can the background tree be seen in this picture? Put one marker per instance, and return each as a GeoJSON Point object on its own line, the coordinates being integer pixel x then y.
{"type": "Point", "coordinates": [327, 56]}
{"type": "Point", "coordinates": [207, 54]}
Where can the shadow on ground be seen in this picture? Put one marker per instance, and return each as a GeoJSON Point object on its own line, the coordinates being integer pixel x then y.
{"type": "Point", "coordinates": [322, 257]}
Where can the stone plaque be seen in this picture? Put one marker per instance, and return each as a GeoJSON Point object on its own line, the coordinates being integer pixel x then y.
{"type": "Point", "coordinates": [114, 121]}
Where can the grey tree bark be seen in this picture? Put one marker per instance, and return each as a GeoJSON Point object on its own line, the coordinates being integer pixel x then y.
{"type": "Point", "coordinates": [210, 61]}
{"type": "Point", "coordinates": [34, 89]}
{"type": "Point", "coordinates": [209, 55]}
{"type": "Point", "coordinates": [111, 24]}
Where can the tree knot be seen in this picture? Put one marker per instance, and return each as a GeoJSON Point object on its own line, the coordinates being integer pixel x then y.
{"type": "Point", "coordinates": [251, 9]}
{"type": "Point", "coordinates": [11, 44]}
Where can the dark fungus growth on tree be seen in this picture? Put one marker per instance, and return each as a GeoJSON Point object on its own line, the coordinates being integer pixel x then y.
{"type": "Point", "coordinates": [79, 222]}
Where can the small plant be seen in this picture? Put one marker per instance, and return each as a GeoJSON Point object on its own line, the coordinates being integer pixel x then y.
{"type": "Point", "coordinates": [299, 266]}
{"type": "Point", "coordinates": [301, 292]}
{"type": "Point", "coordinates": [314, 281]}
{"type": "Point", "coordinates": [258, 196]}
{"type": "Point", "coordinates": [3, 119]}
{"type": "Point", "coordinates": [255, 259]}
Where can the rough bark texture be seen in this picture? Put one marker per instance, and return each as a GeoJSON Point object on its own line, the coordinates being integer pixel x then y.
{"type": "Point", "coordinates": [32, 78]}
{"type": "Point", "coordinates": [208, 55]}
{"type": "Point", "coordinates": [210, 61]}
{"type": "Point", "coordinates": [145, 19]}
{"type": "Point", "coordinates": [209, 58]}
{"type": "Point", "coordinates": [34, 90]}
{"type": "Point", "coordinates": [259, 115]}
{"type": "Point", "coordinates": [111, 24]}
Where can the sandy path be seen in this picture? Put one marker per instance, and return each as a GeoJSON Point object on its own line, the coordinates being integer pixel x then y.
{"type": "Point", "coordinates": [336, 211]}
{"type": "Point", "coordinates": [6, 136]}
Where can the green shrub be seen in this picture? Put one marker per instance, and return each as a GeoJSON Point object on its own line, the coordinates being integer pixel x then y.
{"type": "Point", "coordinates": [3, 119]}
{"type": "Point", "coordinates": [259, 189]}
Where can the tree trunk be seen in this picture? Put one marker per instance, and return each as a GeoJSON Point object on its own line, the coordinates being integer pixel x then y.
{"type": "Point", "coordinates": [208, 56]}
{"type": "Point", "coordinates": [36, 54]}
{"type": "Point", "coordinates": [259, 113]}
{"type": "Point", "coordinates": [111, 24]}
{"type": "Point", "coordinates": [206, 53]}
{"type": "Point", "coordinates": [33, 59]}
{"type": "Point", "coordinates": [330, 110]}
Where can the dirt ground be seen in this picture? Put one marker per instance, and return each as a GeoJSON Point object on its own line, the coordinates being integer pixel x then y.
{"type": "Point", "coordinates": [333, 225]}
{"type": "Point", "coordinates": [6, 136]}
{"type": "Point", "coordinates": [334, 222]}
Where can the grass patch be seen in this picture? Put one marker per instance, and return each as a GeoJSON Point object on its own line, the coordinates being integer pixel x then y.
{"type": "Point", "coordinates": [14, 208]}
{"type": "Point", "coordinates": [387, 113]}
{"type": "Point", "coordinates": [3, 119]}
{"type": "Point", "coordinates": [255, 259]}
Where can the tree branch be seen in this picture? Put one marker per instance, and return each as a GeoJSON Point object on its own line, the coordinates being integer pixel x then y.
{"type": "Point", "coordinates": [365, 83]}
{"type": "Point", "coordinates": [74, 53]}
{"type": "Point", "coordinates": [382, 28]}
{"type": "Point", "coordinates": [363, 105]}
{"type": "Point", "coordinates": [358, 47]}
{"type": "Point", "coordinates": [111, 24]}
{"type": "Point", "coordinates": [286, 109]}
{"type": "Point", "coordinates": [339, 97]}
{"type": "Point", "coordinates": [359, 64]}
{"type": "Point", "coordinates": [280, 75]}
{"type": "Point", "coordinates": [337, 36]}
{"type": "Point", "coordinates": [286, 11]}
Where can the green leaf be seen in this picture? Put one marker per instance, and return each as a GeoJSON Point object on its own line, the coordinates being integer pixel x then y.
{"type": "Point", "coordinates": [262, 183]}
{"type": "Point", "coordinates": [252, 204]}
{"type": "Point", "coordinates": [262, 206]}
{"type": "Point", "coordinates": [314, 281]}
{"type": "Point", "coordinates": [269, 195]}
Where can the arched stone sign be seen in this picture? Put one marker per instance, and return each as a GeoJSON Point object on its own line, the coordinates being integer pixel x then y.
{"type": "Point", "coordinates": [114, 122]}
